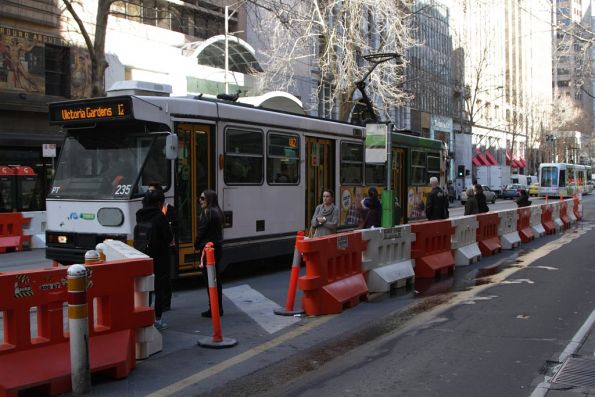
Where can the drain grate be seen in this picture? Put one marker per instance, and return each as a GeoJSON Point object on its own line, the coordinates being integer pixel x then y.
{"type": "Point", "coordinates": [577, 371]}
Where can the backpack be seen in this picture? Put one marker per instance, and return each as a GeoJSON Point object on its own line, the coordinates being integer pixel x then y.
{"type": "Point", "coordinates": [143, 233]}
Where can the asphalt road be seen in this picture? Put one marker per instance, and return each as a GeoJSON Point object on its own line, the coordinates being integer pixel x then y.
{"type": "Point", "coordinates": [495, 328]}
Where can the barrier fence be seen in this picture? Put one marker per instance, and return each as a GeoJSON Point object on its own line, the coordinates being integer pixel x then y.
{"type": "Point", "coordinates": [12, 237]}
{"type": "Point", "coordinates": [115, 316]}
{"type": "Point", "coordinates": [432, 248]}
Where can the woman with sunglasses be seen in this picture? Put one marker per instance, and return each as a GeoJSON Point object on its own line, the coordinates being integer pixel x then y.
{"type": "Point", "coordinates": [210, 229]}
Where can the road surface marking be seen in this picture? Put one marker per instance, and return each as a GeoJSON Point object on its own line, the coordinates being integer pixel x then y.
{"type": "Point", "coordinates": [215, 369]}
{"type": "Point", "coordinates": [259, 308]}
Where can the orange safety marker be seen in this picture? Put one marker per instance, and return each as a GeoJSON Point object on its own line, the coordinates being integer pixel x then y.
{"type": "Point", "coordinates": [293, 281]}
{"type": "Point", "coordinates": [546, 199]}
{"type": "Point", "coordinates": [217, 341]}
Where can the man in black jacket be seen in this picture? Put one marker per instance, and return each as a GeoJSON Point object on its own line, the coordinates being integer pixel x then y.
{"type": "Point", "coordinates": [437, 205]}
{"type": "Point", "coordinates": [159, 238]}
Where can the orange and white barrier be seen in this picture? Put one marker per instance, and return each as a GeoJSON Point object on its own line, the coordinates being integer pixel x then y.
{"type": "Point", "coordinates": [546, 219]}
{"type": "Point", "coordinates": [36, 228]}
{"type": "Point", "coordinates": [556, 215]}
{"type": "Point", "coordinates": [11, 232]}
{"type": "Point", "coordinates": [463, 241]}
{"type": "Point", "coordinates": [524, 225]}
{"type": "Point", "coordinates": [535, 221]}
{"type": "Point", "coordinates": [289, 310]}
{"type": "Point", "coordinates": [507, 231]}
{"type": "Point", "coordinates": [487, 234]}
{"type": "Point", "coordinates": [432, 249]}
{"type": "Point", "coordinates": [564, 213]}
{"type": "Point", "coordinates": [334, 277]}
{"type": "Point", "coordinates": [570, 211]}
{"type": "Point", "coordinates": [386, 261]}
{"type": "Point", "coordinates": [113, 321]}
{"type": "Point", "coordinates": [577, 208]}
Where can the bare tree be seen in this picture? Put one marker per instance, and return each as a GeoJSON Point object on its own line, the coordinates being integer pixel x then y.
{"type": "Point", "coordinates": [96, 43]}
{"type": "Point", "coordinates": [326, 41]}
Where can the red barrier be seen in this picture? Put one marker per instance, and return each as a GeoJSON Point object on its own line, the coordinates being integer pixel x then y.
{"type": "Point", "coordinates": [334, 279]}
{"type": "Point", "coordinates": [523, 224]}
{"type": "Point", "coordinates": [546, 219]}
{"type": "Point", "coordinates": [11, 232]}
{"type": "Point", "coordinates": [487, 234]}
{"type": "Point", "coordinates": [564, 214]}
{"type": "Point", "coordinates": [42, 361]}
{"type": "Point", "coordinates": [431, 248]}
{"type": "Point", "coordinates": [576, 208]}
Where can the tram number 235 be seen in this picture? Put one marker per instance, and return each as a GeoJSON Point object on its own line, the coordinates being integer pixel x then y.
{"type": "Point", "coordinates": [123, 190]}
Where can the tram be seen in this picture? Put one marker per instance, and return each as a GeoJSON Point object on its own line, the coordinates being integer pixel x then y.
{"type": "Point", "coordinates": [561, 179]}
{"type": "Point", "coordinates": [268, 168]}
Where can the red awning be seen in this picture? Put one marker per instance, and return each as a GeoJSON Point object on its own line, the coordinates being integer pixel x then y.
{"type": "Point", "coordinates": [508, 157]}
{"type": "Point", "coordinates": [515, 164]}
{"type": "Point", "coordinates": [490, 157]}
{"type": "Point", "coordinates": [476, 162]}
{"type": "Point", "coordinates": [481, 158]}
{"type": "Point", "coordinates": [522, 163]}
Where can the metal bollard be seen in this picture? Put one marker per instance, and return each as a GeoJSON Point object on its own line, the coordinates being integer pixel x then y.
{"type": "Point", "coordinates": [217, 341]}
{"type": "Point", "coordinates": [100, 248]}
{"type": "Point", "coordinates": [78, 325]}
{"type": "Point", "coordinates": [293, 280]}
{"type": "Point", "coordinates": [91, 257]}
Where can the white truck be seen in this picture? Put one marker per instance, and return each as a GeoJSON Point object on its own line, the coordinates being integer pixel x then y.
{"type": "Point", "coordinates": [525, 180]}
{"type": "Point", "coordinates": [496, 177]}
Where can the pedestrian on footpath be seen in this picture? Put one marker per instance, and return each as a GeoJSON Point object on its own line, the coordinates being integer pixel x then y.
{"type": "Point", "coordinates": [371, 210]}
{"type": "Point", "coordinates": [437, 205]}
{"type": "Point", "coordinates": [471, 206]}
{"type": "Point", "coordinates": [326, 216]}
{"type": "Point", "coordinates": [210, 229]}
{"type": "Point", "coordinates": [523, 199]}
{"type": "Point", "coordinates": [170, 213]}
{"type": "Point", "coordinates": [482, 203]}
{"type": "Point", "coordinates": [152, 236]}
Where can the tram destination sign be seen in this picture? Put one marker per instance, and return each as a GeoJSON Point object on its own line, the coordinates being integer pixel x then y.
{"type": "Point", "coordinates": [81, 112]}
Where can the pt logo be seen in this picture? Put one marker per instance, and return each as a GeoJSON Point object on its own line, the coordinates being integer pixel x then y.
{"type": "Point", "coordinates": [73, 216]}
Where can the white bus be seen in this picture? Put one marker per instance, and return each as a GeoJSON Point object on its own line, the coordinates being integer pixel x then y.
{"type": "Point", "coordinates": [268, 168]}
{"type": "Point", "coordinates": [561, 179]}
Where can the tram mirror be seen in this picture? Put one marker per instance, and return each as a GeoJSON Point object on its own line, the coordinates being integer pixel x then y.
{"type": "Point", "coordinates": [171, 147]}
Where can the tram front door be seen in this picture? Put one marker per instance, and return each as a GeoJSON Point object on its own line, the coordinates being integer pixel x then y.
{"type": "Point", "coordinates": [195, 173]}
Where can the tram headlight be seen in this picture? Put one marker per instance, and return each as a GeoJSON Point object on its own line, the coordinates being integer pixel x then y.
{"type": "Point", "coordinates": [62, 239]}
{"type": "Point", "coordinates": [57, 238]}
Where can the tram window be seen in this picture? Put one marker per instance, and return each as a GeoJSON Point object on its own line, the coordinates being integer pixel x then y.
{"type": "Point", "coordinates": [375, 174]}
{"type": "Point", "coordinates": [418, 168]}
{"type": "Point", "coordinates": [6, 195]}
{"type": "Point", "coordinates": [243, 157]}
{"type": "Point", "coordinates": [562, 178]}
{"type": "Point", "coordinates": [433, 166]}
{"type": "Point", "coordinates": [352, 160]}
{"type": "Point", "coordinates": [156, 166]}
{"type": "Point", "coordinates": [283, 159]}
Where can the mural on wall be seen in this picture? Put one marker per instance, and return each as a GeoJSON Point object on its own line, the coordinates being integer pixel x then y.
{"type": "Point", "coordinates": [23, 63]}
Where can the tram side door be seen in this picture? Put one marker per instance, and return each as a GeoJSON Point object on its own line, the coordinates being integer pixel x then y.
{"type": "Point", "coordinates": [194, 174]}
{"type": "Point", "coordinates": [399, 182]}
{"type": "Point", "coordinates": [319, 172]}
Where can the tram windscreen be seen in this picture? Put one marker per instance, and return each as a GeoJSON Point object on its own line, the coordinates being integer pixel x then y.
{"type": "Point", "coordinates": [549, 177]}
{"type": "Point", "coordinates": [109, 166]}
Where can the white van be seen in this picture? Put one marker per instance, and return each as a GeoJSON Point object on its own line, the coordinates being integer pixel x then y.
{"type": "Point", "coordinates": [526, 180]}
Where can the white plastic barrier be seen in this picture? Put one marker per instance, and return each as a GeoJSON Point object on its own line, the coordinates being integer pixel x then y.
{"type": "Point", "coordinates": [556, 215]}
{"type": "Point", "coordinates": [570, 211]}
{"type": "Point", "coordinates": [463, 241]}
{"type": "Point", "coordinates": [148, 340]}
{"type": "Point", "coordinates": [507, 229]}
{"type": "Point", "coordinates": [36, 228]}
{"type": "Point", "coordinates": [535, 221]}
{"type": "Point", "coordinates": [387, 258]}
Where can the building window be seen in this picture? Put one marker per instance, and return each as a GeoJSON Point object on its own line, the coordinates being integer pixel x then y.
{"type": "Point", "coordinates": [57, 70]}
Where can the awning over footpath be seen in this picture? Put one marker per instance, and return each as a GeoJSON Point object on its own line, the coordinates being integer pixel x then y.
{"type": "Point", "coordinates": [490, 157]}
{"type": "Point", "coordinates": [479, 159]}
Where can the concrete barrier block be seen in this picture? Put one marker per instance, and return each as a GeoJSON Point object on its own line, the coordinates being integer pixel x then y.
{"type": "Point", "coordinates": [510, 240]}
{"type": "Point", "coordinates": [396, 275]}
{"type": "Point", "coordinates": [467, 255]}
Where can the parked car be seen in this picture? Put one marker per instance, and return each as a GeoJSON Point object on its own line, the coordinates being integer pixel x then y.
{"type": "Point", "coordinates": [534, 189]}
{"type": "Point", "coordinates": [489, 193]}
{"type": "Point", "coordinates": [512, 191]}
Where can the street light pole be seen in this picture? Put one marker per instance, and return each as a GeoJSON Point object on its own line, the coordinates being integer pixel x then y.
{"type": "Point", "coordinates": [227, 16]}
